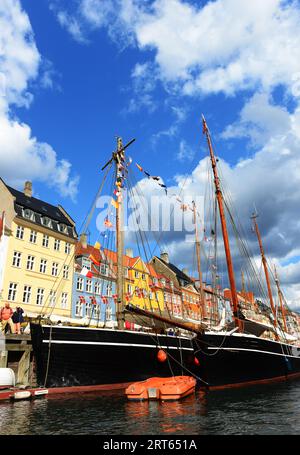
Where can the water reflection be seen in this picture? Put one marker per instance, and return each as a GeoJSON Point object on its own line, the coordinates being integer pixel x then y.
{"type": "Point", "coordinates": [256, 410]}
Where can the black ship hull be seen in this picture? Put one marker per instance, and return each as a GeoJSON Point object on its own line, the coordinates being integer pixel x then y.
{"type": "Point", "coordinates": [76, 356]}
{"type": "Point", "coordinates": [238, 360]}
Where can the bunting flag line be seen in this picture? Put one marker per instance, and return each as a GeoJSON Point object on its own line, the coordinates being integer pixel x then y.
{"type": "Point", "coordinates": [139, 167]}
{"type": "Point", "coordinates": [104, 299]}
{"type": "Point", "coordinates": [97, 246]}
{"type": "Point", "coordinates": [93, 300]}
{"type": "Point", "coordinates": [81, 299]}
{"type": "Point", "coordinates": [94, 261]}
{"type": "Point", "coordinates": [114, 203]}
{"type": "Point", "coordinates": [107, 223]}
{"type": "Point", "coordinates": [86, 272]}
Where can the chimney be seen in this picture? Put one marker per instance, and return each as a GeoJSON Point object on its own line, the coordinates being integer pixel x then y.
{"type": "Point", "coordinates": [129, 252]}
{"type": "Point", "coordinates": [83, 240]}
{"type": "Point", "coordinates": [28, 189]}
{"type": "Point", "coordinates": [165, 257]}
{"type": "Point", "coordinates": [185, 271]}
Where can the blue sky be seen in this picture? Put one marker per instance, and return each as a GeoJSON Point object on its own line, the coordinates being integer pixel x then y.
{"type": "Point", "coordinates": [77, 73]}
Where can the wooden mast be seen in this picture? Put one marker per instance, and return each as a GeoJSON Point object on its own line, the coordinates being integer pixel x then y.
{"type": "Point", "coordinates": [265, 265]}
{"type": "Point", "coordinates": [280, 300]}
{"type": "Point", "coordinates": [198, 254]}
{"type": "Point", "coordinates": [219, 196]}
{"type": "Point", "coordinates": [119, 237]}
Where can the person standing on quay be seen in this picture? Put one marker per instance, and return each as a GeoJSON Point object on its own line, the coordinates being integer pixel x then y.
{"type": "Point", "coordinates": [17, 319]}
{"type": "Point", "coordinates": [5, 317]}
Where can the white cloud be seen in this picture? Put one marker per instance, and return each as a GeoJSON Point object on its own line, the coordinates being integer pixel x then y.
{"type": "Point", "coordinates": [259, 120]}
{"type": "Point", "coordinates": [22, 157]}
{"type": "Point", "coordinates": [185, 152]}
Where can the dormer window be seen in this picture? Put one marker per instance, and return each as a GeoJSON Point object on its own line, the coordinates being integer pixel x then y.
{"type": "Point", "coordinates": [46, 221]}
{"type": "Point", "coordinates": [29, 214]}
{"type": "Point", "coordinates": [163, 282]}
{"type": "Point", "coordinates": [86, 263]}
{"type": "Point", "coordinates": [63, 228]}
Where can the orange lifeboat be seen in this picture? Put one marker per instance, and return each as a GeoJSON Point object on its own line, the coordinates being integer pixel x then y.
{"type": "Point", "coordinates": [165, 389]}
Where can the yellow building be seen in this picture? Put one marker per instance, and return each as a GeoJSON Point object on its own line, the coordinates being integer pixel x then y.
{"type": "Point", "coordinates": [40, 243]}
{"type": "Point", "coordinates": [141, 286]}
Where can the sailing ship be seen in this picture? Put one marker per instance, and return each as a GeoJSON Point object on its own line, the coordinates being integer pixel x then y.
{"type": "Point", "coordinates": [70, 355]}
{"type": "Point", "coordinates": [251, 346]}
{"type": "Point", "coordinates": [247, 350]}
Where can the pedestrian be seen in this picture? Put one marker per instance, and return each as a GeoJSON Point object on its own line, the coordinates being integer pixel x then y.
{"type": "Point", "coordinates": [5, 317]}
{"type": "Point", "coordinates": [17, 318]}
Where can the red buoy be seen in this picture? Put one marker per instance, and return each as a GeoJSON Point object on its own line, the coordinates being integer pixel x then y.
{"type": "Point", "coordinates": [196, 361]}
{"type": "Point", "coordinates": [161, 356]}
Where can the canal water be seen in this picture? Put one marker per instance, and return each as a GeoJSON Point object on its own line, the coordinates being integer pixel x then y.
{"type": "Point", "coordinates": [261, 410]}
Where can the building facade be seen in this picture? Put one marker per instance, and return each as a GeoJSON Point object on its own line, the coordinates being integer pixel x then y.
{"type": "Point", "coordinates": [94, 293]}
{"type": "Point", "coordinates": [38, 269]}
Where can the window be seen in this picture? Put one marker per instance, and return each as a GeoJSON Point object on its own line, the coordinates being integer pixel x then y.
{"type": "Point", "coordinates": [30, 262]}
{"type": "Point", "coordinates": [40, 296]}
{"type": "Point", "coordinates": [64, 300]}
{"type": "Point", "coordinates": [136, 274]}
{"type": "Point", "coordinates": [12, 290]}
{"type": "Point", "coordinates": [54, 269]}
{"type": "Point", "coordinates": [32, 238]}
{"type": "Point", "coordinates": [97, 288]}
{"type": "Point", "coordinates": [88, 309]}
{"type": "Point", "coordinates": [29, 214]}
{"type": "Point", "coordinates": [163, 282]}
{"type": "Point", "coordinates": [68, 248]}
{"type": "Point", "coordinates": [43, 265]}
{"type": "Point", "coordinates": [66, 272]}
{"type": "Point", "coordinates": [52, 298]}
{"type": "Point", "coordinates": [109, 290]}
{"type": "Point", "coordinates": [129, 289]}
{"type": "Point", "coordinates": [16, 259]}
{"type": "Point", "coordinates": [56, 244]}
{"type": "Point", "coordinates": [46, 221]}
{"type": "Point", "coordinates": [103, 269]}
{"type": "Point", "coordinates": [86, 263]}
{"type": "Point", "coordinates": [63, 228]}
{"type": "Point", "coordinates": [143, 276]}
{"type": "Point", "coordinates": [151, 295]}
{"type": "Point", "coordinates": [78, 308]}
{"type": "Point", "coordinates": [79, 286]}
{"type": "Point", "coordinates": [155, 282]}
{"type": "Point", "coordinates": [126, 274]}
{"type": "Point", "coordinates": [88, 286]}
{"type": "Point", "coordinates": [108, 313]}
{"type": "Point", "coordinates": [97, 312]}
{"type": "Point", "coordinates": [26, 294]}
{"type": "Point", "coordinates": [45, 242]}
{"type": "Point", "coordinates": [20, 232]}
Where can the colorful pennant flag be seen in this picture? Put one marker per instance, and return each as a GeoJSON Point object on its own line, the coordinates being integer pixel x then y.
{"type": "Point", "coordinates": [139, 167]}
{"type": "Point", "coordinates": [94, 261]}
{"type": "Point", "coordinates": [86, 272]}
{"type": "Point", "coordinates": [114, 203]}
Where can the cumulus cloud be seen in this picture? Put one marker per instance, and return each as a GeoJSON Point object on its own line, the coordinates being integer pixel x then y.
{"type": "Point", "coordinates": [22, 156]}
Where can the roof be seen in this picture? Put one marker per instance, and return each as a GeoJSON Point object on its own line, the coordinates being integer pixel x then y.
{"type": "Point", "coordinates": [180, 275]}
{"type": "Point", "coordinates": [42, 209]}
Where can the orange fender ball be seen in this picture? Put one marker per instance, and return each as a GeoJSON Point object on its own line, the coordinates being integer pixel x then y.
{"type": "Point", "coordinates": [161, 356]}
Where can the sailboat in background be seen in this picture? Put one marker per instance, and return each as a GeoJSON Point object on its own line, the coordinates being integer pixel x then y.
{"type": "Point", "coordinates": [246, 350]}
{"type": "Point", "coordinates": [68, 355]}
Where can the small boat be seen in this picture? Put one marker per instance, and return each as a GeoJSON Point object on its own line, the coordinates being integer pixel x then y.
{"type": "Point", "coordinates": [165, 389]}
{"type": "Point", "coordinates": [21, 395]}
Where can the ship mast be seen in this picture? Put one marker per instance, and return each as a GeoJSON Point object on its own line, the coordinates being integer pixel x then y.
{"type": "Point", "coordinates": [219, 196]}
{"type": "Point", "coordinates": [265, 265]}
{"type": "Point", "coordinates": [280, 300]}
{"type": "Point", "coordinates": [119, 237]}
{"type": "Point", "coordinates": [118, 156]}
{"type": "Point", "coordinates": [198, 254]}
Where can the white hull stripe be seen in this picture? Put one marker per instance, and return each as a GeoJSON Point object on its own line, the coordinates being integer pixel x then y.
{"type": "Point", "coordinates": [255, 350]}
{"type": "Point", "coordinates": [104, 343]}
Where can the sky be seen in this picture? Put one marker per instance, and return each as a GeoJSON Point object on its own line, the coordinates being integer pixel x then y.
{"type": "Point", "coordinates": [75, 74]}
